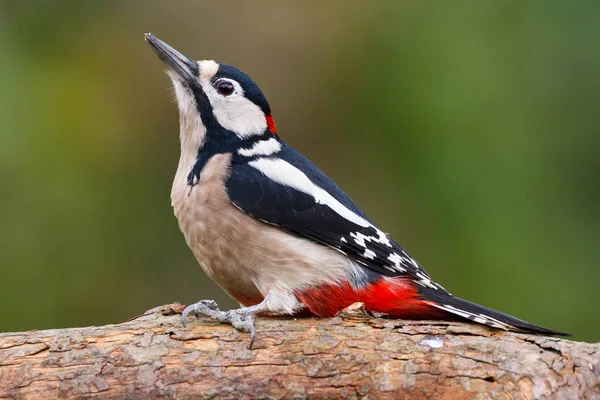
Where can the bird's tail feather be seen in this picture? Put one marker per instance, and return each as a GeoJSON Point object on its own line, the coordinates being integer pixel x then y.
{"type": "Point", "coordinates": [482, 315]}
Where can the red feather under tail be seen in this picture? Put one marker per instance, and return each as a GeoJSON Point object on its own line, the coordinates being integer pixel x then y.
{"type": "Point", "coordinates": [396, 297]}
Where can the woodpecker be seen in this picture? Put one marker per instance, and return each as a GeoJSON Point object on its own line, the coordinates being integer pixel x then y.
{"type": "Point", "coordinates": [271, 229]}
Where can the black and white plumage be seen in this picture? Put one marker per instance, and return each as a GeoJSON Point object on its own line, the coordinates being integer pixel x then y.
{"type": "Point", "coordinates": [271, 228]}
{"type": "Point", "coordinates": [287, 190]}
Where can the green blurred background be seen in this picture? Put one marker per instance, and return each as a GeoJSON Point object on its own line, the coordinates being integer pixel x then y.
{"type": "Point", "coordinates": [470, 131]}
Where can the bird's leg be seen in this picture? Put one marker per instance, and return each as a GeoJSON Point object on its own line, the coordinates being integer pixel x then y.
{"type": "Point", "coordinates": [241, 318]}
{"type": "Point", "coordinates": [275, 303]}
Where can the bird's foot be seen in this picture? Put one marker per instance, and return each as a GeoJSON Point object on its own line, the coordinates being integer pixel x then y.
{"type": "Point", "coordinates": [242, 318]}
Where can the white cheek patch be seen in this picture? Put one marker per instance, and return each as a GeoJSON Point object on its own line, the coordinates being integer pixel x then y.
{"type": "Point", "coordinates": [241, 116]}
{"type": "Point", "coordinates": [236, 113]}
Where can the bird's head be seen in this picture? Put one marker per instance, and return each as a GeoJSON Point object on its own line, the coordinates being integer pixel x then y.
{"type": "Point", "coordinates": [214, 97]}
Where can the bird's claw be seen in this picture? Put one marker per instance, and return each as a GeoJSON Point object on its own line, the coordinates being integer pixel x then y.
{"type": "Point", "coordinates": [206, 307]}
{"type": "Point", "coordinates": [242, 319]}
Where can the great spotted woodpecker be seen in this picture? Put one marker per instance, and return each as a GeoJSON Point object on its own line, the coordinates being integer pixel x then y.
{"type": "Point", "coordinates": [275, 232]}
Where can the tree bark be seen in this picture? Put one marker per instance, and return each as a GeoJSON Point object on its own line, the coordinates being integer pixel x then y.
{"type": "Point", "coordinates": [350, 356]}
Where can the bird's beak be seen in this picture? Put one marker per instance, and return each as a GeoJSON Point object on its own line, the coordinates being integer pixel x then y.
{"type": "Point", "coordinates": [178, 63]}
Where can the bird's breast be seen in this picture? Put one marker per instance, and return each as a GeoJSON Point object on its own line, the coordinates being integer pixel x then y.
{"type": "Point", "coordinates": [245, 256]}
{"type": "Point", "coordinates": [211, 225]}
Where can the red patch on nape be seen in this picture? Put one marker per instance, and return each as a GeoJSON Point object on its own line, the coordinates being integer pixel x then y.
{"type": "Point", "coordinates": [396, 297]}
{"type": "Point", "coordinates": [271, 124]}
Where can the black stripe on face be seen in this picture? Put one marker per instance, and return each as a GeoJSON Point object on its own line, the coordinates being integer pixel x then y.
{"type": "Point", "coordinates": [203, 106]}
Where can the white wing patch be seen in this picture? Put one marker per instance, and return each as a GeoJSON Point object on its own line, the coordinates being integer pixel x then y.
{"type": "Point", "coordinates": [372, 240]}
{"type": "Point", "coordinates": [262, 148]}
{"type": "Point", "coordinates": [286, 174]}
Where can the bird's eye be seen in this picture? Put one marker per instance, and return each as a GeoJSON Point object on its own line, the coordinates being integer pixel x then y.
{"type": "Point", "coordinates": [225, 88]}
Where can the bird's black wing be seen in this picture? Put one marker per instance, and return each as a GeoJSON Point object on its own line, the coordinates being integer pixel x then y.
{"type": "Point", "coordinates": [283, 198]}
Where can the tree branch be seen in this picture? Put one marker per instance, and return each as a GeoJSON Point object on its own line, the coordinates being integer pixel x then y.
{"type": "Point", "coordinates": [349, 357]}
